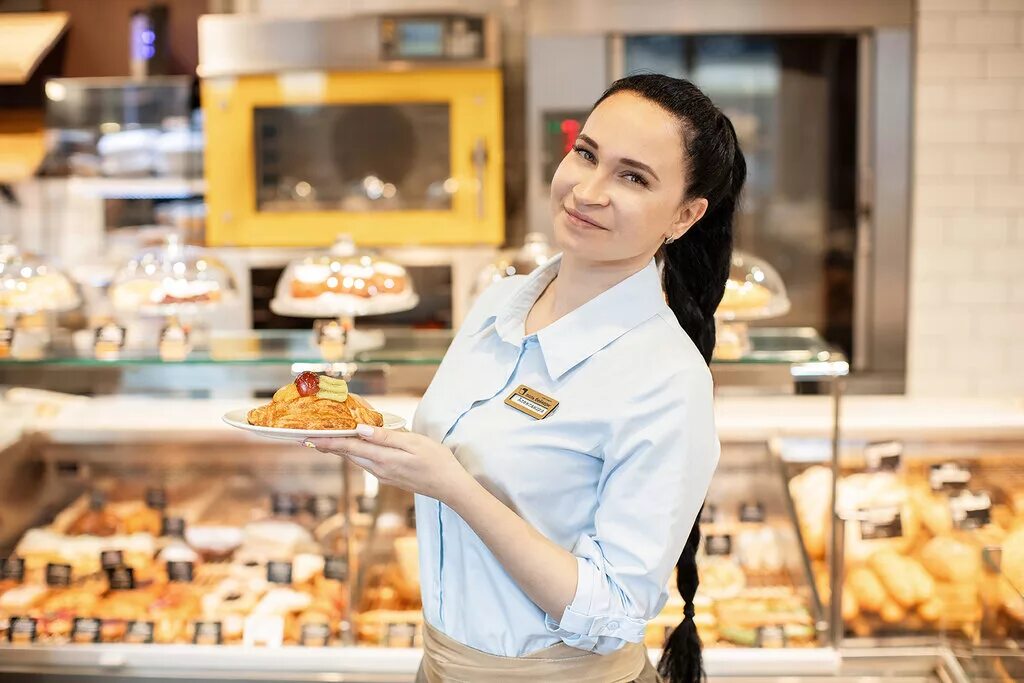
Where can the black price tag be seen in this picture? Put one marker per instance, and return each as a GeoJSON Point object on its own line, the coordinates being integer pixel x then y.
{"type": "Point", "coordinates": [109, 335]}
{"type": "Point", "coordinates": [708, 514]}
{"type": "Point", "coordinates": [21, 630]}
{"type": "Point", "coordinates": [173, 526]}
{"type": "Point", "coordinates": [718, 544]}
{"type": "Point", "coordinates": [84, 630]}
{"type": "Point", "coordinates": [121, 578]}
{"type": "Point", "coordinates": [279, 572]}
{"type": "Point", "coordinates": [173, 334]}
{"type": "Point", "coordinates": [14, 569]}
{"type": "Point", "coordinates": [752, 512]}
{"type": "Point", "coordinates": [284, 505]}
{"type": "Point", "coordinates": [336, 567]}
{"type": "Point", "coordinates": [180, 571]}
{"type": "Point", "coordinates": [207, 633]}
{"type": "Point", "coordinates": [883, 456]}
{"type": "Point", "coordinates": [878, 523]}
{"type": "Point", "coordinates": [971, 510]}
{"type": "Point", "coordinates": [139, 632]}
{"type": "Point", "coordinates": [156, 498]}
{"type": "Point", "coordinates": [950, 477]}
{"type": "Point", "coordinates": [315, 635]}
{"type": "Point", "coordinates": [111, 558]}
{"type": "Point", "coordinates": [58, 575]}
{"type": "Point", "coordinates": [770, 636]}
{"type": "Point", "coordinates": [322, 507]}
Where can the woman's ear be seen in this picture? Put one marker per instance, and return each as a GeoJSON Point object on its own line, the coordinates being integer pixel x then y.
{"type": "Point", "coordinates": [689, 213]}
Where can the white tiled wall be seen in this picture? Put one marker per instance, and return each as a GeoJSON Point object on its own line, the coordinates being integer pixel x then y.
{"type": "Point", "coordinates": [966, 332]}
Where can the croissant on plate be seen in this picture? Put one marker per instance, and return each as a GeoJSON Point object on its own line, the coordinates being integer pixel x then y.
{"type": "Point", "coordinates": [315, 402]}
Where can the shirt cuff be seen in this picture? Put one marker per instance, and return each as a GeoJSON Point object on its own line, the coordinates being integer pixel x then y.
{"type": "Point", "coordinates": [591, 614]}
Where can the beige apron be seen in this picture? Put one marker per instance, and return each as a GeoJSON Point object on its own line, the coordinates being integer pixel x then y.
{"type": "Point", "coordinates": [446, 660]}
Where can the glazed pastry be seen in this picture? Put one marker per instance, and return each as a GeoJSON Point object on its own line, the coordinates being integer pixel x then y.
{"type": "Point", "coordinates": [143, 520]}
{"type": "Point", "coordinates": [315, 402]}
{"type": "Point", "coordinates": [307, 290]}
{"type": "Point", "coordinates": [96, 521]}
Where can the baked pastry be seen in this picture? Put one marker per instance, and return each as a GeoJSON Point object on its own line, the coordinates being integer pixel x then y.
{"type": "Point", "coordinates": [314, 402]}
{"type": "Point", "coordinates": [951, 560]}
{"type": "Point", "coordinates": [866, 587]}
{"type": "Point", "coordinates": [744, 296]}
{"type": "Point", "coordinates": [905, 580]}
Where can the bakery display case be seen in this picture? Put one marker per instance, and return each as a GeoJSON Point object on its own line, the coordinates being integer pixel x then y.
{"type": "Point", "coordinates": [184, 537]}
{"type": "Point", "coordinates": [930, 537]}
{"type": "Point", "coordinates": [29, 285]}
{"type": "Point", "coordinates": [756, 590]}
{"type": "Point", "coordinates": [173, 279]}
{"type": "Point", "coordinates": [248, 548]}
{"type": "Point", "coordinates": [754, 291]}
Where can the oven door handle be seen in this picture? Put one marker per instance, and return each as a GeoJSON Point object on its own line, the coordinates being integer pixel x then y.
{"type": "Point", "coordinates": [480, 165]}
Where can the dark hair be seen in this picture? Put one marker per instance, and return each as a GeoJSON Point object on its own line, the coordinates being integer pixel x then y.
{"type": "Point", "coordinates": [695, 269]}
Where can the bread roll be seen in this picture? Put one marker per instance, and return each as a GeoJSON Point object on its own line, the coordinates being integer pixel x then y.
{"type": "Point", "coordinates": [892, 612]}
{"type": "Point", "coordinates": [1013, 573]}
{"type": "Point", "coordinates": [948, 559]}
{"type": "Point", "coordinates": [867, 588]}
{"type": "Point", "coordinates": [900, 580]}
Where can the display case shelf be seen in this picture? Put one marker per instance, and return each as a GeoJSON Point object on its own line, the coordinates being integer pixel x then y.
{"type": "Point", "coordinates": [800, 349]}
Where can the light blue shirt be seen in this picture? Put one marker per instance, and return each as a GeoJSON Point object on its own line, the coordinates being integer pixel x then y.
{"type": "Point", "coordinates": [616, 474]}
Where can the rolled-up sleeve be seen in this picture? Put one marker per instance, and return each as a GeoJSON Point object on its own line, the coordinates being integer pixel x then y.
{"type": "Point", "coordinates": [658, 463]}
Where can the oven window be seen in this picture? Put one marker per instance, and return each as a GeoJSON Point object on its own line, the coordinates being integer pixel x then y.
{"type": "Point", "coordinates": [353, 158]}
{"type": "Point", "coordinates": [793, 102]}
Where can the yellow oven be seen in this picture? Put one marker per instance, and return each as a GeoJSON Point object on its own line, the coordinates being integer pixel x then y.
{"type": "Point", "coordinates": [388, 128]}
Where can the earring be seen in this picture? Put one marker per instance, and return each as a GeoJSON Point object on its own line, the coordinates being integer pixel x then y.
{"type": "Point", "coordinates": [670, 240]}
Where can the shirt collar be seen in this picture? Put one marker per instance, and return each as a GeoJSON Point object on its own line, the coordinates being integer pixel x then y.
{"type": "Point", "coordinates": [575, 337]}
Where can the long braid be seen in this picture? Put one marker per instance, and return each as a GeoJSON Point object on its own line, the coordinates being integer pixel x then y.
{"type": "Point", "coordinates": [696, 268]}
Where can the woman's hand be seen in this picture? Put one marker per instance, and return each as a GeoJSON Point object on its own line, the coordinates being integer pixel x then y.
{"type": "Point", "coordinates": [399, 458]}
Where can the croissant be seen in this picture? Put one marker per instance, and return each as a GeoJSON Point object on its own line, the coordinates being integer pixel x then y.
{"type": "Point", "coordinates": [292, 409]}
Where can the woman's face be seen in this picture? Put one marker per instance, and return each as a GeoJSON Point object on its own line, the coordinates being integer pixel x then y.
{"type": "Point", "coordinates": [619, 193]}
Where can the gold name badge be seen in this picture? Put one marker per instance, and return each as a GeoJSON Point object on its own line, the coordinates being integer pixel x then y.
{"type": "Point", "coordinates": [533, 403]}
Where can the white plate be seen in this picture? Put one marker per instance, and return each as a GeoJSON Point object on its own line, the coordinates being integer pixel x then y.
{"type": "Point", "coordinates": [237, 418]}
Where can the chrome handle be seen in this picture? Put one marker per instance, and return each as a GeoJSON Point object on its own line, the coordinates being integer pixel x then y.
{"type": "Point", "coordinates": [480, 164]}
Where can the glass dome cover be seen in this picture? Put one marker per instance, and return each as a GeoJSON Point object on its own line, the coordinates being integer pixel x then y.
{"type": "Point", "coordinates": [170, 279]}
{"type": "Point", "coordinates": [754, 291]}
{"type": "Point", "coordinates": [343, 282]}
{"type": "Point", "coordinates": [28, 284]}
{"type": "Point", "coordinates": [535, 252]}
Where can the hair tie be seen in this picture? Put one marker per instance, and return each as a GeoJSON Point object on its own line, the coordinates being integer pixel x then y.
{"type": "Point", "coordinates": [688, 610]}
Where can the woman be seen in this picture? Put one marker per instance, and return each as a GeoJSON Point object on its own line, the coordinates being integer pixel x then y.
{"type": "Point", "coordinates": [564, 448]}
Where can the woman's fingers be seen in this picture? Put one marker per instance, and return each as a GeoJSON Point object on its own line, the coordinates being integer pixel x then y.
{"type": "Point", "coordinates": [390, 438]}
{"type": "Point", "coordinates": [350, 445]}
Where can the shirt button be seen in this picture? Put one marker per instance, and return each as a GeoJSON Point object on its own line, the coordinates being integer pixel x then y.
{"type": "Point", "coordinates": [612, 625]}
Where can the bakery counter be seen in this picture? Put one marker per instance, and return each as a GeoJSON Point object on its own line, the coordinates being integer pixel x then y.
{"type": "Point", "coordinates": [398, 665]}
{"type": "Point", "coordinates": [348, 664]}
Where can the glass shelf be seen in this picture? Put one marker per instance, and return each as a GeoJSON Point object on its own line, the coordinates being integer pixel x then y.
{"type": "Point", "coordinates": [801, 348]}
